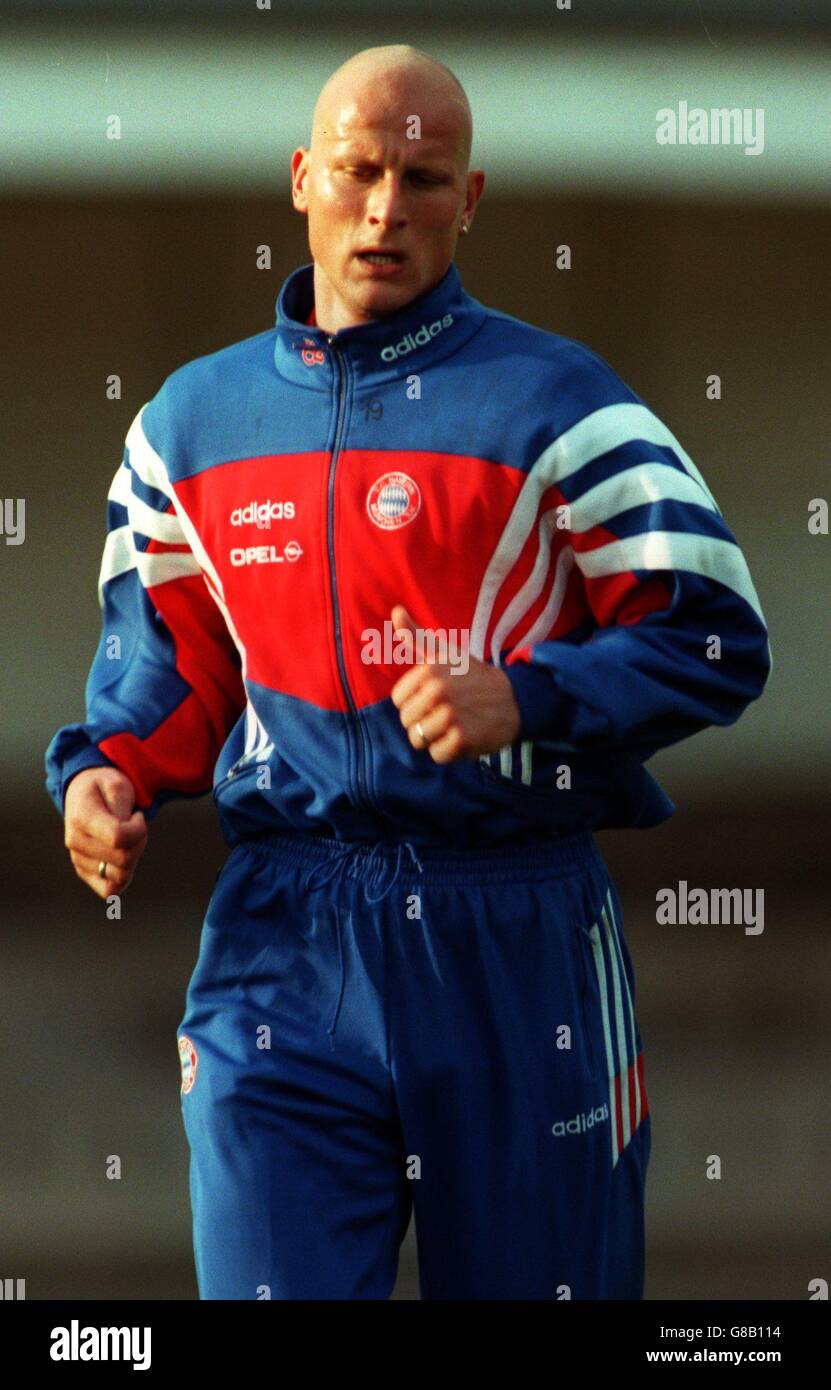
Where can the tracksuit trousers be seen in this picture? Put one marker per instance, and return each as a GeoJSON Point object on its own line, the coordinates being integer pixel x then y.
{"type": "Point", "coordinates": [372, 1031]}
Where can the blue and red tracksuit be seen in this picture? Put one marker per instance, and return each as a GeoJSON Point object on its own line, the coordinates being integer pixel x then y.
{"type": "Point", "coordinates": [276, 499]}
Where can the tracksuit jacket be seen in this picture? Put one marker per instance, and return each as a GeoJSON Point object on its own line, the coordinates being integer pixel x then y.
{"type": "Point", "coordinates": [275, 500]}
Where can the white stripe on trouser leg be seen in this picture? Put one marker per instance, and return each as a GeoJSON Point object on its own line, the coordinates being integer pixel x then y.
{"type": "Point", "coordinates": [630, 1010]}
{"type": "Point", "coordinates": [525, 752]}
{"type": "Point", "coordinates": [600, 968]}
{"type": "Point", "coordinates": [620, 1033]}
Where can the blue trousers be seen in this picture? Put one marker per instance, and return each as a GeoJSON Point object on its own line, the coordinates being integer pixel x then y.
{"type": "Point", "coordinates": [375, 1031]}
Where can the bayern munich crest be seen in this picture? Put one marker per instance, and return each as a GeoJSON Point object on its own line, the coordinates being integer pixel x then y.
{"type": "Point", "coordinates": [393, 501]}
{"type": "Point", "coordinates": [187, 1062]}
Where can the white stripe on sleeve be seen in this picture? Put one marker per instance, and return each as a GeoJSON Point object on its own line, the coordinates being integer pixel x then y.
{"type": "Point", "coordinates": [674, 550]}
{"type": "Point", "coordinates": [117, 558]}
{"type": "Point", "coordinates": [150, 467]}
{"type": "Point", "coordinates": [161, 568]}
{"type": "Point", "coordinates": [605, 429]}
{"type": "Point", "coordinates": [159, 526]}
{"type": "Point", "coordinates": [634, 487]}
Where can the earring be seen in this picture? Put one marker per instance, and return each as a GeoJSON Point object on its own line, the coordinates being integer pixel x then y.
{"type": "Point", "coordinates": [464, 228]}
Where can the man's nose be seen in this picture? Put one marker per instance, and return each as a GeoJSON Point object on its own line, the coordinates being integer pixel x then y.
{"type": "Point", "coordinates": [386, 201]}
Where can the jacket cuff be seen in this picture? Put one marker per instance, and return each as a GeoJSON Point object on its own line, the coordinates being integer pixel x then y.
{"type": "Point", "coordinates": [545, 710]}
{"type": "Point", "coordinates": [88, 757]}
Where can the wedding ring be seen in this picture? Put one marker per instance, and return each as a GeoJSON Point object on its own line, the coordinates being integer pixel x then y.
{"type": "Point", "coordinates": [102, 868]}
{"type": "Point", "coordinates": [421, 732]}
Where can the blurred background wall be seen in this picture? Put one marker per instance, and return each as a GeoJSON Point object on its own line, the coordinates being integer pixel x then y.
{"type": "Point", "coordinates": [133, 256]}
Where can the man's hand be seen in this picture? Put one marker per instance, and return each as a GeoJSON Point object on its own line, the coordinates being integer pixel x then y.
{"type": "Point", "coordinates": [461, 715]}
{"type": "Point", "coordinates": [100, 824]}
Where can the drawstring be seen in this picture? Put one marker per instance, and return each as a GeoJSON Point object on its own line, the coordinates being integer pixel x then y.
{"type": "Point", "coordinates": [321, 873]}
{"type": "Point", "coordinates": [400, 846]}
{"type": "Point", "coordinates": [372, 865]}
{"type": "Point", "coordinates": [330, 867]}
{"type": "Point", "coordinates": [341, 982]}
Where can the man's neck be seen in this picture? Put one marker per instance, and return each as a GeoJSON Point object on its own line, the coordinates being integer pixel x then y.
{"type": "Point", "coordinates": [337, 313]}
{"type": "Point", "coordinates": [336, 309]}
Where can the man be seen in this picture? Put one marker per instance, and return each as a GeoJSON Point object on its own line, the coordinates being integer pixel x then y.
{"type": "Point", "coordinates": [413, 986]}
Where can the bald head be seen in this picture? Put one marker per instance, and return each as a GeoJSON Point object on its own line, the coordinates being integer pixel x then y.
{"type": "Point", "coordinates": [385, 183]}
{"type": "Point", "coordinates": [385, 86]}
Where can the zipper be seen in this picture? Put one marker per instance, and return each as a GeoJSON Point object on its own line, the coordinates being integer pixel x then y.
{"type": "Point", "coordinates": [361, 765]}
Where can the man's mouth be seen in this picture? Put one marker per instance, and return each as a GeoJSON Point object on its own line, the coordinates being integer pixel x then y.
{"type": "Point", "coordinates": [381, 257]}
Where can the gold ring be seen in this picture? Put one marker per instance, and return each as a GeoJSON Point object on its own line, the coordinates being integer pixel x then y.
{"type": "Point", "coordinates": [420, 732]}
{"type": "Point", "coordinates": [102, 868]}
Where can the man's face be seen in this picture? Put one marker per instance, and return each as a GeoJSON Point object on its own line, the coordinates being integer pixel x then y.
{"type": "Point", "coordinates": [368, 185]}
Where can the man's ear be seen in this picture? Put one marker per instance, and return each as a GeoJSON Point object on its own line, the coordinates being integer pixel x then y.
{"type": "Point", "coordinates": [299, 173]}
{"type": "Point", "coordinates": [475, 189]}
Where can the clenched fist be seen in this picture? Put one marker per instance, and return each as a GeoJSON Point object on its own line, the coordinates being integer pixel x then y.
{"type": "Point", "coordinates": [454, 715]}
{"type": "Point", "coordinates": [100, 824]}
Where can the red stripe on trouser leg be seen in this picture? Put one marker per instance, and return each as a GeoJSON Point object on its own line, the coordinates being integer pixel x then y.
{"type": "Point", "coordinates": [618, 1114]}
{"type": "Point", "coordinates": [633, 1111]}
{"type": "Point", "coordinates": [644, 1104]}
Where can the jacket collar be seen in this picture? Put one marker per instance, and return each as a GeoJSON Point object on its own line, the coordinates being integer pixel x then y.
{"type": "Point", "coordinates": [432, 326]}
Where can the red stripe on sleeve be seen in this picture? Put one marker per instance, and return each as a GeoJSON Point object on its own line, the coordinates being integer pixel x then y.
{"type": "Point", "coordinates": [180, 753]}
